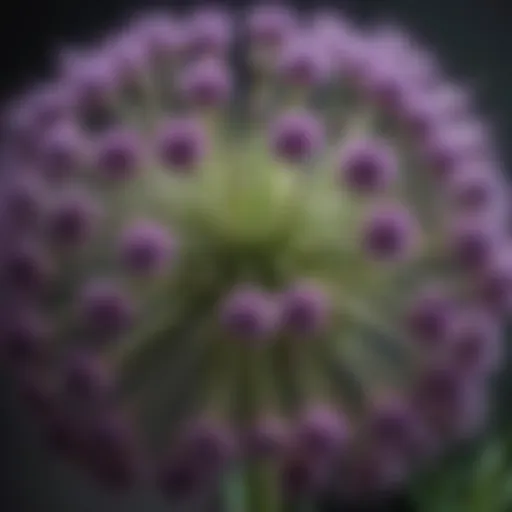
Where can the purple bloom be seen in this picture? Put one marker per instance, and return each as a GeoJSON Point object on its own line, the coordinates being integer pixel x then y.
{"type": "Point", "coordinates": [119, 154]}
{"type": "Point", "coordinates": [389, 233]}
{"type": "Point", "coordinates": [181, 144]}
{"type": "Point", "coordinates": [146, 247]}
{"type": "Point", "coordinates": [249, 314]}
{"type": "Point", "coordinates": [106, 308]}
{"type": "Point", "coordinates": [296, 136]}
{"type": "Point", "coordinates": [269, 25]}
{"type": "Point", "coordinates": [368, 166]}
{"type": "Point", "coordinates": [206, 83]}
{"type": "Point", "coordinates": [209, 31]}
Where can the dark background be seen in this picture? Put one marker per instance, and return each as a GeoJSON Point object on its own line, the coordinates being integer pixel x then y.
{"type": "Point", "coordinates": [474, 39]}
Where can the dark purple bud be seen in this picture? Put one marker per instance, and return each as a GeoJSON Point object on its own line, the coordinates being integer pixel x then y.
{"type": "Point", "coordinates": [206, 83]}
{"type": "Point", "coordinates": [368, 166]}
{"type": "Point", "coordinates": [26, 267]}
{"type": "Point", "coordinates": [302, 476]}
{"type": "Point", "coordinates": [181, 144]}
{"type": "Point", "coordinates": [475, 342]}
{"type": "Point", "coordinates": [303, 62]}
{"type": "Point", "coordinates": [26, 336]}
{"type": "Point", "coordinates": [321, 433]}
{"type": "Point", "coordinates": [389, 233]}
{"type": "Point", "coordinates": [71, 222]}
{"type": "Point", "coordinates": [23, 201]}
{"type": "Point", "coordinates": [92, 79]}
{"type": "Point", "coordinates": [106, 308]}
{"type": "Point", "coordinates": [181, 479]}
{"type": "Point", "coordinates": [119, 154]}
{"type": "Point", "coordinates": [147, 248]}
{"type": "Point", "coordinates": [429, 316]}
{"type": "Point", "coordinates": [249, 314]}
{"type": "Point", "coordinates": [86, 379]}
{"type": "Point", "coordinates": [296, 136]}
{"type": "Point", "coordinates": [474, 242]}
{"type": "Point", "coordinates": [494, 285]}
{"type": "Point", "coordinates": [209, 443]}
{"type": "Point", "coordinates": [63, 151]}
{"type": "Point", "coordinates": [269, 25]}
{"type": "Point", "coordinates": [305, 310]}
{"type": "Point", "coordinates": [267, 437]}
{"type": "Point", "coordinates": [160, 36]}
{"type": "Point", "coordinates": [113, 454]}
{"type": "Point", "coordinates": [209, 31]}
{"type": "Point", "coordinates": [450, 404]}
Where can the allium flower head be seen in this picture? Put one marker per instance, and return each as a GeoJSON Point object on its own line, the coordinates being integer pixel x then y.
{"type": "Point", "coordinates": [300, 264]}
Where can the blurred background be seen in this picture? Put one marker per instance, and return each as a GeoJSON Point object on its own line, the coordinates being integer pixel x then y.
{"type": "Point", "coordinates": [472, 37]}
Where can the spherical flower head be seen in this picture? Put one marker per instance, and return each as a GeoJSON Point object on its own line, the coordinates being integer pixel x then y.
{"type": "Point", "coordinates": [296, 136]}
{"type": "Point", "coordinates": [249, 314]}
{"type": "Point", "coordinates": [389, 233]}
{"type": "Point", "coordinates": [105, 307]}
{"type": "Point", "coordinates": [367, 166]}
{"type": "Point", "coordinates": [181, 144]}
{"type": "Point", "coordinates": [304, 259]}
{"type": "Point", "coordinates": [305, 310]}
{"type": "Point", "coordinates": [119, 154]}
{"type": "Point", "coordinates": [146, 248]}
{"type": "Point", "coordinates": [206, 83]}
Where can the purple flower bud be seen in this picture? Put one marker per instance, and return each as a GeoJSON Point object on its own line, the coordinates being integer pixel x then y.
{"type": "Point", "coordinates": [119, 154]}
{"type": "Point", "coordinates": [296, 136]}
{"type": "Point", "coordinates": [451, 404]}
{"type": "Point", "coordinates": [395, 427]}
{"type": "Point", "coordinates": [209, 31]}
{"type": "Point", "coordinates": [494, 285]}
{"type": "Point", "coordinates": [249, 314]}
{"type": "Point", "coordinates": [475, 190]}
{"type": "Point", "coordinates": [268, 436]}
{"type": "Point", "coordinates": [146, 247]}
{"type": "Point", "coordinates": [475, 342]}
{"type": "Point", "coordinates": [206, 83]}
{"type": "Point", "coordinates": [106, 308]}
{"type": "Point", "coordinates": [160, 36]}
{"type": "Point", "coordinates": [26, 268]}
{"type": "Point", "coordinates": [389, 233]}
{"type": "Point", "coordinates": [63, 151]}
{"type": "Point", "coordinates": [305, 310]}
{"type": "Point", "coordinates": [181, 144]}
{"type": "Point", "coordinates": [429, 316]}
{"type": "Point", "coordinates": [209, 443]}
{"type": "Point", "coordinates": [71, 222]}
{"type": "Point", "coordinates": [473, 242]}
{"type": "Point", "coordinates": [23, 201]}
{"type": "Point", "coordinates": [86, 378]}
{"type": "Point", "coordinates": [368, 166]}
{"type": "Point", "coordinates": [302, 475]}
{"type": "Point", "coordinates": [26, 336]}
{"type": "Point", "coordinates": [303, 62]}
{"type": "Point", "coordinates": [180, 479]}
{"type": "Point", "coordinates": [92, 79]}
{"type": "Point", "coordinates": [112, 452]}
{"type": "Point", "coordinates": [269, 25]}
{"type": "Point", "coordinates": [321, 432]}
